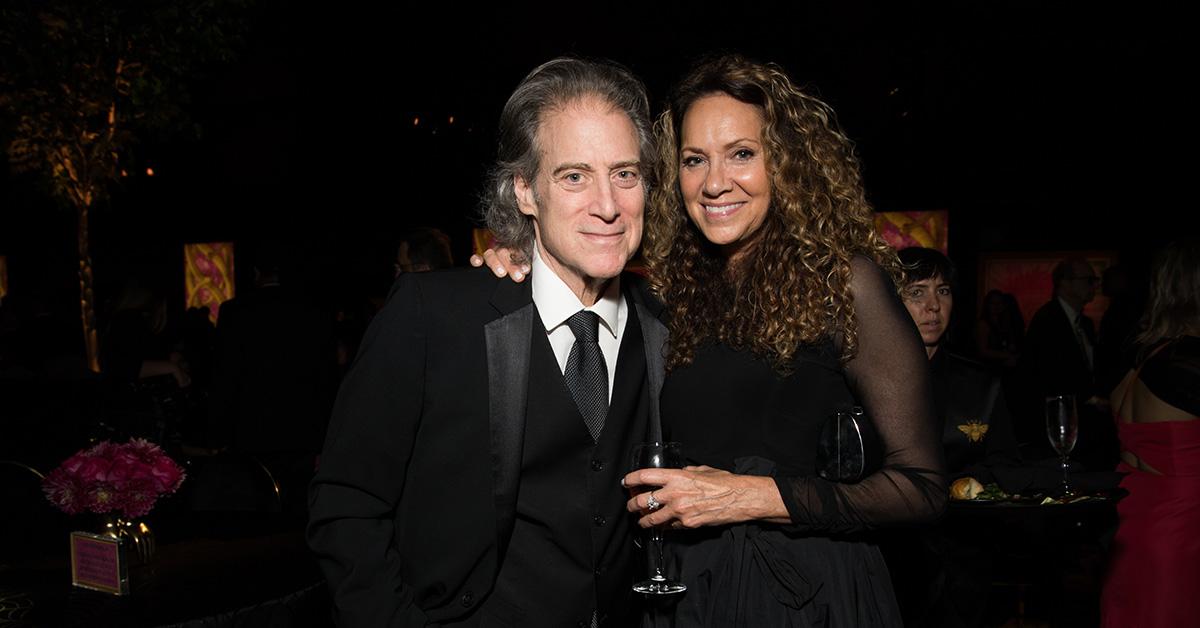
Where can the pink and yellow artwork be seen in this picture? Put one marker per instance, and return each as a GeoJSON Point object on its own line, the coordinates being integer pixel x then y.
{"type": "Point", "coordinates": [930, 229]}
{"type": "Point", "coordinates": [1026, 276]}
{"type": "Point", "coordinates": [208, 275]}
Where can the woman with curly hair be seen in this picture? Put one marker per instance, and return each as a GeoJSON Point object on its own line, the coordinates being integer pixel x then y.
{"type": "Point", "coordinates": [783, 312]}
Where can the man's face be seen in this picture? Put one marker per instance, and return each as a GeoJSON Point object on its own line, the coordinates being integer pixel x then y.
{"type": "Point", "coordinates": [1079, 286]}
{"type": "Point", "coordinates": [588, 196]}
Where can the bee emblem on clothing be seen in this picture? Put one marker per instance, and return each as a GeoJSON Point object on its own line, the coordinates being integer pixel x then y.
{"type": "Point", "coordinates": [974, 430]}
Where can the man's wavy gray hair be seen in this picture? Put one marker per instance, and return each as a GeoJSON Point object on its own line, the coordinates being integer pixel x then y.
{"type": "Point", "coordinates": [551, 87]}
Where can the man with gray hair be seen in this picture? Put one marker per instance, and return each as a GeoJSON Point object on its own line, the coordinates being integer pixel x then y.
{"type": "Point", "coordinates": [471, 473]}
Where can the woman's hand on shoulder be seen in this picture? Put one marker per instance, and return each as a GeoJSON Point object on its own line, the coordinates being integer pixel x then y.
{"type": "Point", "coordinates": [694, 497]}
{"type": "Point", "coordinates": [502, 263]}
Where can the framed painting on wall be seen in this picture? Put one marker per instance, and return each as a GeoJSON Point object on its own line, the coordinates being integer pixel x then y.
{"type": "Point", "coordinates": [930, 229]}
{"type": "Point", "coordinates": [208, 275]}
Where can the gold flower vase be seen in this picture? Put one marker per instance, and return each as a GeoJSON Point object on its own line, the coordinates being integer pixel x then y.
{"type": "Point", "coordinates": [136, 536]}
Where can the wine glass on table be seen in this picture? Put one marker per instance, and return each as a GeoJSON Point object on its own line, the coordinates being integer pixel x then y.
{"type": "Point", "coordinates": [656, 455]}
{"type": "Point", "coordinates": [1062, 427]}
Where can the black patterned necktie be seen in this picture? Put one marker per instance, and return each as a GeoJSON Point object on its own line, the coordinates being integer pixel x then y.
{"type": "Point", "coordinates": [1084, 344]}
{"type": "Point", "coordinates": [586, 373]}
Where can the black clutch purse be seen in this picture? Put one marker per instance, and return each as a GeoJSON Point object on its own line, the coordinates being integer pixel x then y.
{"type": "Point", "coordinates": [849, 448]}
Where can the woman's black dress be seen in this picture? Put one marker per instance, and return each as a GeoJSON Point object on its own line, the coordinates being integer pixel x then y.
{"type": "Point", "coordinates": [732, 411]}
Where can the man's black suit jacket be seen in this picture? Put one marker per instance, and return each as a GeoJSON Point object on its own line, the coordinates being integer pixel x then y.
{"type": "Point", "coordinates": [1052, 355]}
{"type": "Point", "coordinates": [415, 496]}
{"type": "Point", "coordinates": [276, 375]}
{"type": "Point", "coordinates": [1053, 363]}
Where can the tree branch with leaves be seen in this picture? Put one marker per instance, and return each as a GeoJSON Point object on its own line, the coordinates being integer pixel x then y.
{"type": "Point", "coordinates": [83, 82]}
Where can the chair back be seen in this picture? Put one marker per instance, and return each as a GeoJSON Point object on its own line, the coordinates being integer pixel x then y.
{"type": "Point", "coordinates": [31, 525]}
{"type": "Point", "coordinates": [231, 483]}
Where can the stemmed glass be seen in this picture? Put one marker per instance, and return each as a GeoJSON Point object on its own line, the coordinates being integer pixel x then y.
{"type": "Point", "coordinates": [1062, 426]}
{"type": "Point", "coordinates": [656, 455]}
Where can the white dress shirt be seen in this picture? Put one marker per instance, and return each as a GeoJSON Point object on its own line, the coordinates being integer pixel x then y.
{"type": "Point", "coordinates": [556, 303]}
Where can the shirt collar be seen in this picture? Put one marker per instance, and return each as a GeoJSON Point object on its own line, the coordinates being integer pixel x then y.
{"type": "Point", "coordinates": [1072, 315]}
{"type": "Point", "coordinates": [556, 303]}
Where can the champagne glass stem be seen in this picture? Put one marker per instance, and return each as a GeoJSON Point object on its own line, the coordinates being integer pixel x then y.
{"type": "Point", "coordinates": [1066, 484]}
{"type": "Point", "coordinates": [656, 539]}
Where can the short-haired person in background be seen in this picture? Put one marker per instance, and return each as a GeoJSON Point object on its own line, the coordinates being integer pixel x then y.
{"type": "Point", "coordinates": [423, 249]}
{"type": "Point", "coordinates": [942, 574]}
{"type": "Point", "coordinates": [976, 426]}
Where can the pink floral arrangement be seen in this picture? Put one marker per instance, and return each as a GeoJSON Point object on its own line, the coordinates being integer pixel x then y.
{"type": "Point", "coordinates": [129, 477]}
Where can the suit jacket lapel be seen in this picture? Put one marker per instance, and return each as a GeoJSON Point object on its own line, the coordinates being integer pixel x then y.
{"type": "Point", "coordinates": [508, 341]}
{"type": "Point", "coordinates": [654, 341]}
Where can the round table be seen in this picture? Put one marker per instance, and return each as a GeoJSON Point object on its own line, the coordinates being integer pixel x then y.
{"type": "Point", "coordinates": [270, 579]}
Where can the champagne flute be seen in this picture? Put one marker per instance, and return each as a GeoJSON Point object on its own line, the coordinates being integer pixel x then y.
{"type": "Point", "coordinates": [656, 455]}
{"type": "Point", "coordinates": [1062, 426]}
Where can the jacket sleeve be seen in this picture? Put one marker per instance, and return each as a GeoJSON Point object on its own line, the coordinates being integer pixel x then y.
{"type": "Point", "coordinates": [354, 495]}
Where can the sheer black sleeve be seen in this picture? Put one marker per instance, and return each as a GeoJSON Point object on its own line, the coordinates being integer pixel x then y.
{"type": "Point", "coordinates": [890, 376]}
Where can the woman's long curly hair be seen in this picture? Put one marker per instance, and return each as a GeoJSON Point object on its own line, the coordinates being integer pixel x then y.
{"type": "Point", "coordinates": [791, 288]}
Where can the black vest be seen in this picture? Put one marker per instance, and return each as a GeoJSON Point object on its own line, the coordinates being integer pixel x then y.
{"type": "Point", "coordinates": [571, 549]}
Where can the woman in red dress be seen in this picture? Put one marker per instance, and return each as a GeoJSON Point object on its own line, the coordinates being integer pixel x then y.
{"type": "Point", "coordinates": [1154, 569]}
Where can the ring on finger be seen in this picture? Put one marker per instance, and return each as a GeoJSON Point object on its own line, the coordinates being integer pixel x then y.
{"type": "Point", "coordinates": [651, 503]}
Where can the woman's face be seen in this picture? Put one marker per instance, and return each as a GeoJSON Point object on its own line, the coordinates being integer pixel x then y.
{"type": "Point", "coordinates": [930, 303]}
{"type": "Point", "coordinates": [723, 171]}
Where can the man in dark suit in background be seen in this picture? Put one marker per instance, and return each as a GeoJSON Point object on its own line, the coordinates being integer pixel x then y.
{"type": "Point", "coordinates": [471, 474]}
{"type": "Point", "coordinates": [275, 377]}
{"type": "Point", "coordinates": [1059, 359]}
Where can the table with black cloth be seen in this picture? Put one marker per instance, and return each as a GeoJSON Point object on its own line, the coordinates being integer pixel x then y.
{"type": "Point", "coordinates": [987, 562]}
{"type": "Point", "coordinates": [1046, 561]}
{"type": "Point", "coordinates": [266, 579]}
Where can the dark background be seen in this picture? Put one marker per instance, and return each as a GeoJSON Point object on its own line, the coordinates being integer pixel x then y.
{"type": "Point", "coordinates": [1038, 125]}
